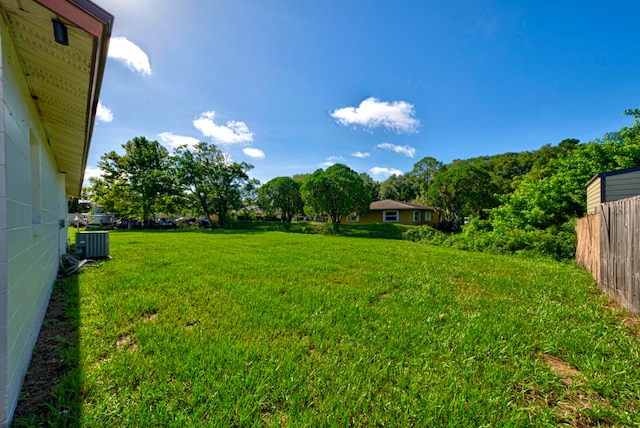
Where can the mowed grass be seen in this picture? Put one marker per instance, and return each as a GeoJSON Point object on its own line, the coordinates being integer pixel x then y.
{"type": "Point", "coordinates": [275, 329]}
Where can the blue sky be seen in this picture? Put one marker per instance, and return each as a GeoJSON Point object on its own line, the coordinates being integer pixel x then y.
{"type": "Point", "coordinates": [291, 86]}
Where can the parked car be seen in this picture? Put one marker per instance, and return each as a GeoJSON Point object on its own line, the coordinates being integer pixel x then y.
{"type": "Point", "coordinates": [160, 223]}
{"type": "Point", "coordinates": [203, 222]}
{"type": "Point", "coordinates": [187, 221]}
{"type": "Point", "coordinates": [128, 223]}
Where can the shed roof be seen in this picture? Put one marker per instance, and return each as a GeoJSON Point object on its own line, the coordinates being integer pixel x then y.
{"type": "Point", "coordinates": [610, 173]}
{"type": "Point", "coordinates": [64, 80]}
{"type": "Point", "coordinates": [389, 204]}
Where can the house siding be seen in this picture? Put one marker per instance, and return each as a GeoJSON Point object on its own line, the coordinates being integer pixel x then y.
{"type": "Point", "coordinates": [29, 252]}
{"type": "Point", "coordinates": [404, 217]}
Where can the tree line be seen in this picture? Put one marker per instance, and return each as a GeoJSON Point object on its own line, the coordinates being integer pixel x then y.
{"type": "Point", "coordinates": [531, 190]}
{"type": "Point", "coordinates": [147, 180]}
{"type": "Point", "coordinates": [202, 180]}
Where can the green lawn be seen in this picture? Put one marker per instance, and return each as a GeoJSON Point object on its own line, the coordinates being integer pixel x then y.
{"type": "Point", "coordinates": [275, 329]}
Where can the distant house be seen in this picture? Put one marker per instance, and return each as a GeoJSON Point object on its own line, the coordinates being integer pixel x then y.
{"type": "Point", "coordinates": [612, 186]}
{"type": "Point", "coordinates": [53, 57]}
{"type": "Point", "coordinates": [390, 211]}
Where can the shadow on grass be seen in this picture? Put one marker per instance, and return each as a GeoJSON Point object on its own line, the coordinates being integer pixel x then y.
{"type": "Point", "coordinates": [50, 395]}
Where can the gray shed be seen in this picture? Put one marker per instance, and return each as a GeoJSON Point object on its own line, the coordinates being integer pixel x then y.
{"type": "Point", "coordinates": [612, 186]}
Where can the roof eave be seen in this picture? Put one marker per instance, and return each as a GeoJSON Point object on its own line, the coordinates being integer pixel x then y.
{"type": "Point", "coordinates": [98, 23]}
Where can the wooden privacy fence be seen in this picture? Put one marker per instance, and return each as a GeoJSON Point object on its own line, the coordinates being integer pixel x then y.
{"type": "Point", "coordinates": [609, 247]}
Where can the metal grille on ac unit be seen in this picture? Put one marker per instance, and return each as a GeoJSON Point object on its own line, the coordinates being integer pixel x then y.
{"type": "Point", "coordinates": [92, 244]}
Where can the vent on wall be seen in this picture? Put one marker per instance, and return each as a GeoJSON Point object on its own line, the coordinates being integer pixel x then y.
{"type": "Point", "coordinates": [92, 244]}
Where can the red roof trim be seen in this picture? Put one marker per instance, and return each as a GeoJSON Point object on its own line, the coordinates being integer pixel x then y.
{"type": "Point", "coordinates": [76, 15]}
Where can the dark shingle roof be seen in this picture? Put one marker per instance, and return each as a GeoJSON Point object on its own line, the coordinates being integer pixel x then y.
{"type": "Point", "coordinates": [389, 204]}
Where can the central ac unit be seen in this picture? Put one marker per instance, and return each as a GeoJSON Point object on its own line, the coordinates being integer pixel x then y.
{"type": "Point", "coordinates": [93, 244]}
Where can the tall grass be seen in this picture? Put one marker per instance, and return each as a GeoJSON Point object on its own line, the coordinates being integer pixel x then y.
{"type": "Point", "coordinates": [261, 328]}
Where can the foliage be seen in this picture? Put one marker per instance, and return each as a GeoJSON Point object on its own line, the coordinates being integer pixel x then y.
{"type": "Point", "coordinates": [347, 332]}
{"type": "Point", "coordinates": [300, 178]}
{"type": "Point", "coordinates": [138, 183]}
{"type": "Point", "coordinates": [249, 192]}
{"type": "Point", "coordinates": [423, 173]}
{"type": "Point", "coordinates": [543, 201]}
{"type": "Point", "coordinates": [505, 169]}
{"type": "Point", "coordinates": [478, 236]}
{"type": "Point", "coordinates": [374, 186]}
{"type": "Point", "coordinates": [281, 195]}
{"type": "Point", "coordinates": [213, 182]}
{"type": "Point", "coordinates": [462, 191]}
{"type": "Point", "coordinates": [338, 191]}
{"type": "Point", "coordinates": [399, 187]}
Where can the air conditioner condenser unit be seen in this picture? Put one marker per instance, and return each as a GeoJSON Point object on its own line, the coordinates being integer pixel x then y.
{"type": "Point", "coordinates": [92, 244]}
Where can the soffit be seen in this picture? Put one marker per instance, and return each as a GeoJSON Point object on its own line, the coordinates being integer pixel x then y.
{"type": "Point", "coordinates": [61, 79]}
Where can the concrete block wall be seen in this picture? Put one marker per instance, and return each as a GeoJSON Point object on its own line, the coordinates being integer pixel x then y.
{"type": "Point", "coordinates": [29, 250]}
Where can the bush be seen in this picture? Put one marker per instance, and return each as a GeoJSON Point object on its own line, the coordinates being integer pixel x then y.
{"type": "Point", "coordinates": [425, 234]}
{"type": "Point", "coordinates": [477, 225]}
{"type": "Point", "coordinates": [556, 243]}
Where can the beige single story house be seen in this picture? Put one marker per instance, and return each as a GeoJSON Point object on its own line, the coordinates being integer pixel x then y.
{"type": "Point", "coordinates": [53, 54]}
{"type": "Point", "coordinates": [612, 186]}
{"type": "Point", "coordinates": [390, 211]}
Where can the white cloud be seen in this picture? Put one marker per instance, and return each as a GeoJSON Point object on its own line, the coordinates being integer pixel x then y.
{"type": "Point", "coordinates": [253, 153]}
{"type": "Point", "coordinates": [395, 116]}
{"type": "Point", "coordinates": [403, 150]}
{"type": "Point", "coordinates": [233, 132]}
{"type": "Point", "coordinates": [332, 160]}
{"type": "Point", "coordinates": [103, 113]}
{"type": "Point", "coordinates": [92, 172]}
{"type": "Point", "coordinates": [378, 171]}
{"type": "Point", "coordinates": [360, 155]}
{"type": "Point", "coordinates": [121, 49]}
{"type": "Point", "coordinates": [174, 141]}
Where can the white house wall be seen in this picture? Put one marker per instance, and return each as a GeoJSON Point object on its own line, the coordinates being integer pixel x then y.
{"type": "Point", "coordinates": [29, 250]}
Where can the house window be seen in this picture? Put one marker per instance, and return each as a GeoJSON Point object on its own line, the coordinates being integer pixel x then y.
{"type": "Point", "coordinates": [390, 216]}
{"type": "Point", "coordinates": [416, 216]}
{"type": "Point", "coordinates": [36, 183]}
{"type": "Point", "coordinates": [427, 216]}
{"type": "Point", "coordinates": [353, 218]}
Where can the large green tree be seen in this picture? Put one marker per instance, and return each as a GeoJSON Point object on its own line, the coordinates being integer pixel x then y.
{"type": "Point", "coordinates": [337, 191]}
{"type": "Point", "coordinates": [462, 191]}
{"type": "Point", "coordinates": [374, 186]}
{"type": "Point", "coordinates": [215, 184]}
{"type": "Point", "coordinates": [281, 195]}
{"type": "Point", "coordinates": [138, 183]}
{"type": "Point", "coordinates": [423, 173]}
{"type": "Point", "coordinates": [400, 188]}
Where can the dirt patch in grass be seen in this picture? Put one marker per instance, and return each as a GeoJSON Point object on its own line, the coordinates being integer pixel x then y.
{"type": "Point", "coordinates": [570, 408]}
{"type": "Point", "coordinates": [633, 325]}
{"type": "Point", "coordinates": [47, 366]}
{"type": "Point", "coordinates": [151, 316]}
{"type": "Point", "coordinates": [567, 373]}
{"type": "Point", "coordinates": [126, 343]}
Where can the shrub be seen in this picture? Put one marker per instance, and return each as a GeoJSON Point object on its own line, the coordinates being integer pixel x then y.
{"type": "Point", "coordinates": [557, 243]}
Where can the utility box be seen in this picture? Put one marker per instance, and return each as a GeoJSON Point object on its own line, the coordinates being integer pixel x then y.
{"type": "Point", "coordinates": [92, 244]}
